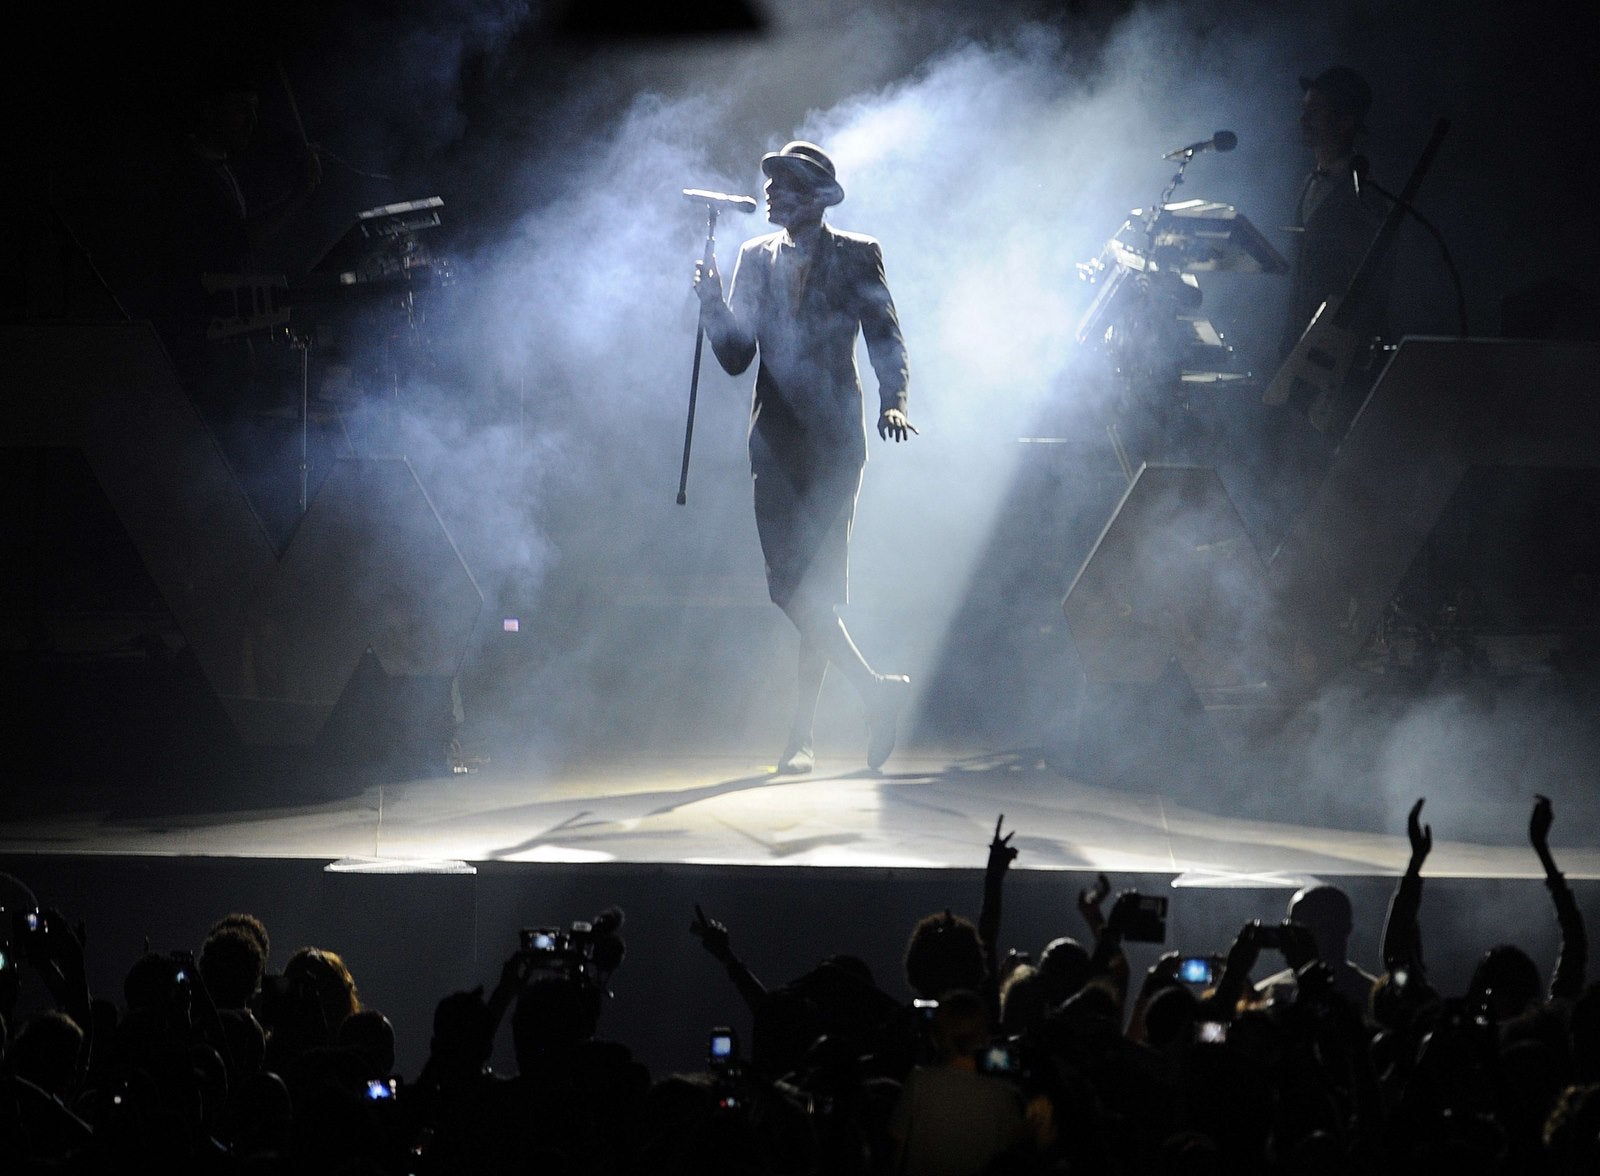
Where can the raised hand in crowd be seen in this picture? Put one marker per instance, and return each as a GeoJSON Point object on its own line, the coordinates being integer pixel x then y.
{"type": "Point", "coordinates": [1420, 836]}
{"type": "Point", "coordinates": [1402, 935]}
{"type": "Point", "coordinates": [1001, 854]}
{"type": "Point", "coordinates": [714, 937]}
{"type": "Point", "coordinates": [1572, 962]}
{"type": "Point", "coordinates": [514, 974]}
{"type": "Point", "coordinates": [1090, 900]}
{"type": "Point", "coordinates": [1233, 986]}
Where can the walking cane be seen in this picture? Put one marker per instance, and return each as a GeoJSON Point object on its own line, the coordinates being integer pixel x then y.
{"type": "Point", "coordinates": [713, 202]}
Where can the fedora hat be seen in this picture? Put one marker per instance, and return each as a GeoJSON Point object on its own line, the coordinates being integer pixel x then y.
{"type": "Point", "coordinates": [809, 163]}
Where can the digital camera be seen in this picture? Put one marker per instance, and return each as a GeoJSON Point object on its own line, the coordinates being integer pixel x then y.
{"type": "Point", "coordinates": [1001, 1059]}
{"type": "Point", "coordinates": [547, 940]}
{"type": "Point", "coordinates": [1148, 921]}
{"type": "Point", "coordinates": [722, 1048]}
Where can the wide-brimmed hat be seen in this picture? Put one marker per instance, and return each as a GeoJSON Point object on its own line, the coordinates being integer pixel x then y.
{"type": "Point", "coordinates": [1345, 88]}
{"type": "Point", "coordinates": [806, 162]}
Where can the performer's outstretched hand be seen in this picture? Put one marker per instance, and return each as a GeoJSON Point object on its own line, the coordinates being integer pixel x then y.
{"type": "Point", "coordinates": [892, 423]}
{"type": "Point", "coordinates": [707, 280]}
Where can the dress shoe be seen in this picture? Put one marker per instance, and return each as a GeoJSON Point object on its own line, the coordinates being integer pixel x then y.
{"type": "Point", "coordinates": [883, 717]}
{"type": "Point", "coordinates": [797, 758]}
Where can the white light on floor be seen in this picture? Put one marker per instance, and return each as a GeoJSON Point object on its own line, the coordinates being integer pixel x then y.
{"type": "Point", "coordinates": [1245, 880]}
{"type": "Point", "coordinates": [358, 865]}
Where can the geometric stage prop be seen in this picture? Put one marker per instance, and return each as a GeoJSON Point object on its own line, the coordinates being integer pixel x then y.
{"type": "Point", "coordinates": [1174, 577]}
{"type": "Point", "coordinates": [370, 565]}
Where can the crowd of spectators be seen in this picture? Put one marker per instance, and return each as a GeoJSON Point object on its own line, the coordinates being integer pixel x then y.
{"type": "Point", "coordinates": [995, 1064]}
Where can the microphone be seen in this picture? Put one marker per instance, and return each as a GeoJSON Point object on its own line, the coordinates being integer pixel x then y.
{"type": "Point", "coordinates": [720, 200]}
{"type": "Point", "coordinates": [1221, 141]}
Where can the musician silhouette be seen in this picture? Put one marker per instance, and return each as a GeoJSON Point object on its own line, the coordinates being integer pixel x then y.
{"type": "Point", "coordinates": [1337, 222]}
{"type": "Point", "coordinates": [1337, 219]}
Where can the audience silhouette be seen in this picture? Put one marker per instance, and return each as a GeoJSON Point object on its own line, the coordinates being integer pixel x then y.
{"type": "Point", "coordinates": [991, 1064]}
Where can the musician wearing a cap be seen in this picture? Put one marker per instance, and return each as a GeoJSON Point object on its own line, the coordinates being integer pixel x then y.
{"type": "Point", "coordinates": [1336, 219]}
{"type": "Point", "coordinates": [798, 298]}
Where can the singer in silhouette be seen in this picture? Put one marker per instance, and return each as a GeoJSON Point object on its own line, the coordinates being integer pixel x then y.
{"type": "Point", "coordinates": [798, 298]}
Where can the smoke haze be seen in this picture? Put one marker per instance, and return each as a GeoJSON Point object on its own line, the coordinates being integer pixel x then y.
{"type": "Point", "coordinates": [991, 149]}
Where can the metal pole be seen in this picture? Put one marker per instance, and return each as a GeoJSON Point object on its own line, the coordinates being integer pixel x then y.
{"type": "Point", "coordinates": [694, 374]}
{"type": "Point", "coordinates": [304, 344]}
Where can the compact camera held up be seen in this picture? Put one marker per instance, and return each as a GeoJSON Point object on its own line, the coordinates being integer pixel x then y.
{"type": "Point", "coordinates": [1142, 918]}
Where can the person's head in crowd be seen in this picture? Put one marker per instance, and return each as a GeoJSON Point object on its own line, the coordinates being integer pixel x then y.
{"type": "Point", "coordinates": [1325, 911]}
{"type": "Point", "coordinates": [325, 975]}
{"type": "Point", "coordinates": [463, 1037]}
{"type": "Point", "coordinates": [1506, 982]}
{"type": "Point", "coordinates": [944, 952]}
{"type": "Point", "coordinates": [960, 1025]}
{"type": "Point", "coordinates": [846, 996]}
{"type": "Point", "coordinates": [1064, 967]}
{"type": "Point", "coordinates": [159, 987]}
{"type": "Point", "coordinates": [232, 963]}
{"type": "Point", "coordinates": [249, 925]}
{"type": "Point", "coordinates": [554, 1016]}
{"type": "Point", "coordinates": [1092, 1010]}
{"type": "Point", "coordinates": [369, 1035]}
{"type": "Point", "coordinates": [1022, 1000]}
{"type": "Point", "coordinates": [1170, 1018]}
{"type": "Point", "coordinates": [46, 1051]}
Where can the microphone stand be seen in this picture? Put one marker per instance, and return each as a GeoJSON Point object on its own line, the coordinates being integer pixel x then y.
{"type": "Point", "coordinates": [1160, 205]}
{"type": "Point", "coordinates": [694, 375]}
{"type": "Point", "coordinates": [1128, 348]}
{"type": "Point", "coordinates": [301, 342]}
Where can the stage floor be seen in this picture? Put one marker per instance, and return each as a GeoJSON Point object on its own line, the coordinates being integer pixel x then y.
{"type": "Point", "coordinates": [926, 811]}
